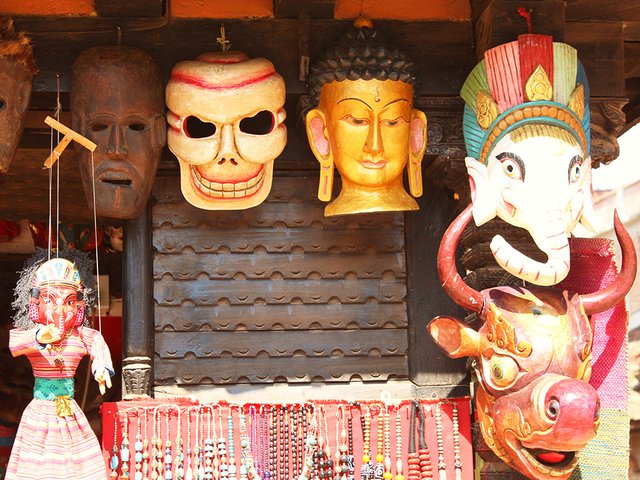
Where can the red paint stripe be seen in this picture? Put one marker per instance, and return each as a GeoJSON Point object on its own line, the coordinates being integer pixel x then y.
{"type": "Point", "coordinates": [225, 61]}
{"type": "Point", "coordinates": [201, 83]}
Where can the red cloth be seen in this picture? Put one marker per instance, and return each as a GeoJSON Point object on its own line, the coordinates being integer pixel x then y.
{"type": "Point", "coordinates": [593, 267]}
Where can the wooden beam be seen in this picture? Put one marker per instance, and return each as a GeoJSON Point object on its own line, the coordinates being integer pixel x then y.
{"type": "Point", "coordinates": [499, 21]}
{"type": "Point", "coordinates": [426, 298]}
{"type": "Point", "coordinates": [293, 8]}
{"type": "Point", "coordinates": [631, 31]}
{"type": "Point", "coordinates": [137, 321]}
{"type": "Point", "coordinates": [601, 50]}
{"type": "Point", "coordinates": [129, 8]}
{"type": "Point", "coordinates": [631, 59]}
{"type": "Point", "coordinates": [606, 11]}
{"type": "Point", "coordinates": [25, 189]}
{"type": "Point", "coordinates": [442, 48]}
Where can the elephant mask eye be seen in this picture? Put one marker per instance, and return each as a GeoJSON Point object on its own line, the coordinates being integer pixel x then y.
{"type": "Point", "coordinates": [512, 165]}
{"type": "Point", "coordinates": [575, 169]}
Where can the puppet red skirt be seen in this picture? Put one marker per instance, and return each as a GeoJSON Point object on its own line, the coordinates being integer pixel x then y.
{"type": "Point", "coordinates": [48, 447]}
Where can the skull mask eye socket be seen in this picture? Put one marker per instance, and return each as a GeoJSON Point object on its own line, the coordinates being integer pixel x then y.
{"type": "Point", "coordinates": [3, 103]}
{"type": "Point", "coordinates": [260, 124]}
{"type": "Point", "coordinates": [195, 128]}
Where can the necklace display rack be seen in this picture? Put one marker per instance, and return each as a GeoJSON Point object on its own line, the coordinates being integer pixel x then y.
{"type": "Point", "coordinates": [315, 440]}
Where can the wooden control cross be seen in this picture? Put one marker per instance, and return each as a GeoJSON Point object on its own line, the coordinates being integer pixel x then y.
{"type": "Point", "coordinates": [68, 136]}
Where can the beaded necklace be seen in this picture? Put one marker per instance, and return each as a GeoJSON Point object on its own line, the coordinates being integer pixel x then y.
{"type": "Point", "coordinates": [366, 471]}
{"type": "Point", "coordinates": [456, 443]}
{"type": "Point", "coordinates": [378, 470]}
{"type": "Point", "coordinates": [145, 448]}
{"type": "Point", "coordinates": [222, 448]}
{"type": "Point", "coordinates": [167, 459]}
{"type": "Point", "coordinates": [426, 470]}
{"type": "Point", "coordinates": [208, 448]}
{"type": "Point", "coordinates": [124, 449]}
{"type": "Point", "coordinates": [231, 447]}
{"type": "Point", "coordinates": [387, 445]}
{"type": "Point", "coordinates": [179, 452]}
{"type": "Point", "coordinates": [114, 462]}
{"type": "Point", "coordinates": [189, 472]}
{"type": "Point", "coordinates": [311, 445]}
{"type": "Point", "coordinates": [442, 466]}
{"type": "Point", "coordinates": [399, 466]}
{"type": "Point", "coordinates": [137, 447]}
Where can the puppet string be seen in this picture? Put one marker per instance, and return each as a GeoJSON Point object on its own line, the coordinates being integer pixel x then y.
{"type": "Point", "coordinates": [95, 233]}
{"type": "Point", "coordinates": [57, 167]}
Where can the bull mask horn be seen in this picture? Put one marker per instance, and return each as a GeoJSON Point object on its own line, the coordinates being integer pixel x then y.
{"type": "Point", "coordinates": [460, 292]}
{"type": "Point", "coordinates": [611, 295]}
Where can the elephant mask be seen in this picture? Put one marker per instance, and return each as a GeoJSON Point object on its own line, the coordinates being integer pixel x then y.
{"type": "Point", "coordinates": [527, 135]}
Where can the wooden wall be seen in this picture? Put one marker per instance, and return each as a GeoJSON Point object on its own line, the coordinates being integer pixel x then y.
{"type": "Point", "coordinates": [277, 292]}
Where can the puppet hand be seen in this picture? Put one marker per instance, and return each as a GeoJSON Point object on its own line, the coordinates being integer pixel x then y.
{"type": "Point", "coordinates": [48, 334]}
{"type": "Point", "coordinates": [104, 380]}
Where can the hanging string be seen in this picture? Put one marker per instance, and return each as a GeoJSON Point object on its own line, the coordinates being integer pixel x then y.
{"type": "Point", "coordinates": [95, 234]}
{"type": "Point", "coordinates": [57, 114]}
{"type": "Point", "coordinates": [50, 194]}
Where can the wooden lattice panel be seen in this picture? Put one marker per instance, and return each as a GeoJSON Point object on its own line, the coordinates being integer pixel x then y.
{"type": "Point", "coordinates": [276, 293]}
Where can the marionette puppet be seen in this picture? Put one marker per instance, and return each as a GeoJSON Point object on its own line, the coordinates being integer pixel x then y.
{"type": "Point", "coordinates": [117, 101]}
{"type": "Point", "coordinates": [527, 133]}
{"type": "Point", "coordinates": [365, 124]}
{"type": "Point", "coordinates": [54, 439]}
{"type": "Point", "coordinates": [532, 357]}
{"type": "Point", "coordinates": [17, 67]}
{"type": "Point", "coordinates": [226, 127]}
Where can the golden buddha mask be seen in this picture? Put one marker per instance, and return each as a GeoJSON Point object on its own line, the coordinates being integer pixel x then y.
{"type": "Point", "coordinates": [366, 127]}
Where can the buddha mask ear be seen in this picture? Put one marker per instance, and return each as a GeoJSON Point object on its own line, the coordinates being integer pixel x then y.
{"type": "Point", "coordinates": [316, 127]}
{"type": "Point", "coordinates": [418, 145]}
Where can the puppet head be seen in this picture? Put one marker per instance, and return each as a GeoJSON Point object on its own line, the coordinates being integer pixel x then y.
{"type": "Point", "coordinates": [56, 295]}
{"type": "Point", "coordinates": [17, 67]}
{"type": "Point", "coordinates": [527, 133]}
{"type": "Point", "coordinates": [365, 125]}
{"type": "Point", "coordinates": [532, 357]}
{"type": "Point", "coordinates": [226, 127]}
{"type": "Point", "coordinates": [57, 291]}
{"type": "Point", "coordinates": [117, 102]}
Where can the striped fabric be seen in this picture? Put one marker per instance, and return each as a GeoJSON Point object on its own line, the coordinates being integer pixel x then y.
{"type": "Point", "coordinates": [48, 447]}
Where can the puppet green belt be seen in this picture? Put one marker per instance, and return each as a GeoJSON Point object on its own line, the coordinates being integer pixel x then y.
{"type": "Point", "coordinates": [59, 390]}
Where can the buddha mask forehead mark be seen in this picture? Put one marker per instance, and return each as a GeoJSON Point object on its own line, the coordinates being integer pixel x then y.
{"type": "Point", "coordinates": [117, 102]}
{"type": "Point", "coordinates": [365, 124]}
{"type": "Point", "coordinates": [17, 67]}
{"type": "Point", "coordinates": [226, 127]}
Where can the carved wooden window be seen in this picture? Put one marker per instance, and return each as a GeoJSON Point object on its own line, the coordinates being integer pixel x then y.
{"type": "Point", "coordinates": [276, 293]}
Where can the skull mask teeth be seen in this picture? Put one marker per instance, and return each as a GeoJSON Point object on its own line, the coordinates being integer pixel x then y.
{"type": "Point", "coordinates": [226, 127]}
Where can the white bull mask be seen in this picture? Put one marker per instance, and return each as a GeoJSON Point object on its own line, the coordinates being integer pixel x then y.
{"type": "Point", "coordinates": [226, 127]}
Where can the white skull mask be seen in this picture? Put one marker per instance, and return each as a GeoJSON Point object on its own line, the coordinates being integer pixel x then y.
{"type": "Point", "coordinates": [226, 127]}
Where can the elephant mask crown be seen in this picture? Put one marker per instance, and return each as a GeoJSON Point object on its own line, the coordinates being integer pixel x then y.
{"type": "Point", "coordinates": [530, 80]}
